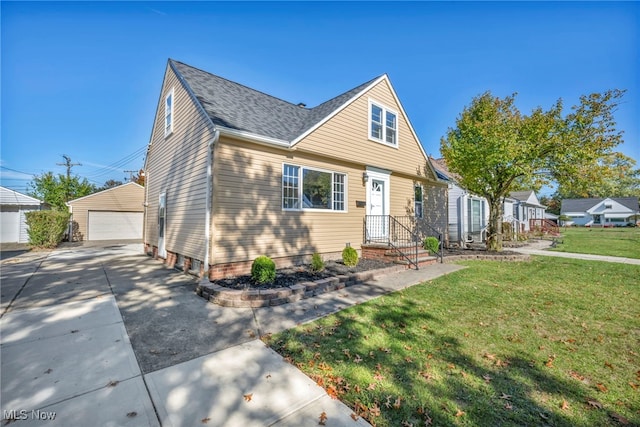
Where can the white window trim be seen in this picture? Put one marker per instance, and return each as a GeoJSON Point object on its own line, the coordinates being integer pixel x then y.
{"type": "Point", "coordinates": [301, 169]}
{"type": "Point", "coordinates": [173, 117]}
{"type": "Point", "coordinates": [385, 109]}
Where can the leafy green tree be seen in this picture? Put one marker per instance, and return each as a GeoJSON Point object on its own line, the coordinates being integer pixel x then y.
{"type": "Point", "coordinates": [617, 177]}
{"type": "Point", "coordinates": [496, 149]}
{"type": "Point", "coordinates": [56, 190]}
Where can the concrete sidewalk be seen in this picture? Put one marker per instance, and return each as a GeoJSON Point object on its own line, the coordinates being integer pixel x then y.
{"type": "Point", "coordinates": [541, 247]}
{"type": "Point", "coordinates": [103, 335]}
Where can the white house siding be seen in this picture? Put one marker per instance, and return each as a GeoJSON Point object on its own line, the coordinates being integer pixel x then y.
{"type": "Point", "coordinates": [455, 222]}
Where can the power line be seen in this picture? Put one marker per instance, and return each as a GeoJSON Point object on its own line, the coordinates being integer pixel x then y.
{"type": "Point", "coordinates": [113, 167]}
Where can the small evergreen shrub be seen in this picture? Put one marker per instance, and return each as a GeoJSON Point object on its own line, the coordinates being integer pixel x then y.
{"type": "Point", "coordinates": [432, 244]}
{"type": "Point", "coordinates": [46, 228]}
{"type": "Point", "coordinates": [263, 270]}
{"type": "Point", "coordinates": [317, 264]}
{"type": "Point", "coordinates": [350, 256]}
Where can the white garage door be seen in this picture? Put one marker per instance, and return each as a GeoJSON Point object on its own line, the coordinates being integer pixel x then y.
{"type": "Point", "coordinates": [9, 225]}
{"type": "Point", "coordinates": [114, 225]}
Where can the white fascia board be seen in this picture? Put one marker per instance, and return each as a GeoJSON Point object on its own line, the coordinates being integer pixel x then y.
{"type": "Point", "coordinates": [252, 137]}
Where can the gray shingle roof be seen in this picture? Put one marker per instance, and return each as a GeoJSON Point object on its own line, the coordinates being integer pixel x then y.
{"type": "Point", "coordinates": [583, 205]}
{"type": "Point", "coordinates": [239, 107]}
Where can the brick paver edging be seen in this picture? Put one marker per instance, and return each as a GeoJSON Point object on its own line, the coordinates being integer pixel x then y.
{"type": "Point", "coordinates": [484, 257]}
{"type": "Point", "coordinates": [227, 297]}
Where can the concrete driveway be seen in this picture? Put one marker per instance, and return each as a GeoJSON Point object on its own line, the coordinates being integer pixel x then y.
{"type": "Point", "coordinates": [100, 334]}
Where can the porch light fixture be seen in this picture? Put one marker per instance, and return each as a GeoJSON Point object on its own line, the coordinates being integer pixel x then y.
{"type": "Point", "coordinates": [365, 177]}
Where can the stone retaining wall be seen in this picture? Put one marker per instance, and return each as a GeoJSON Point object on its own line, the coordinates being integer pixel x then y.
{"type": "Point", "coordinates": [228, 297]}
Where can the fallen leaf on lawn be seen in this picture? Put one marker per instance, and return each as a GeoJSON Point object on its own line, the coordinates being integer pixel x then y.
{"type": "Point", "coordinates": [549, 362]}
{"type": "Point", "coordinates": [608, 365]}
{"type": "Point", "coordinates": [451, 366]}
{"type": "Point", "coordinates": [205, 420]}
{"type": "Point", "coordinates": [406, 423]}
{"type": "Point", "coordinates": [459, 413]}
{"type": "Point", "coordinates": [601, 387]}
{"type": "Point", "coordinates": [323, 418]}
{"type": "Point", "coordinates": [357, 359]}
{"type": "Point", "coordinates": [248, 397]}
{"type": "Point", "coordinates": [388, 402]}
{"type": "Point", "coordinates": [564, 405]}
{"type": "Point", "coordinates": [543, 416]}
{"type": "Point", "coordinates": [576, 375]}
{"type": "Point", "coordinates": [505, 396]}
{"type": "Point", "coordinates": [378, 376]}
{"type": "Point", "coordinates": [508, 406]}
{"type": "Point", "coordinates": [487, 378]}
{"type": "Point", "coordinates": [375, 410]}
{"type": "Point", "coordinates": [354, 416]}
{"type": "Point", "coordinates": [397, 403]}
{"type": "Point", "coordinates": [372, 386]}
{"type": "Point", "coordinates": [633, 386]}
{"type": "Point", "coordinates": [357, 389]}
{"type": "Point", "coordinates": [594, 403]}
{"type": "Point", "coordinates": [489, 356]}
{"type": "Point", "coordinates": [619, 418]}
{"type": "Point", "coordinates": [408, 359]}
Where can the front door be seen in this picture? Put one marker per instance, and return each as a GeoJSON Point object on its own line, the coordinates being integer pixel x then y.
{"type": "Point", "coordinates": [377, 209]}
{"type": "Point", "coordinates": [162, 225]}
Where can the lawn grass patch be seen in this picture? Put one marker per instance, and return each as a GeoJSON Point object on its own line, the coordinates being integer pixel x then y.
{"type": "Point", "coordinates": [622, 241]}
{"type": "Point", "coordinates": [548, 342]}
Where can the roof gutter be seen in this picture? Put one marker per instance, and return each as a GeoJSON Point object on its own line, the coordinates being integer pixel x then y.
{"type": "Point", "coordinates": [207, 221]}
{"type": "Point", "coordinates": [252, 137]}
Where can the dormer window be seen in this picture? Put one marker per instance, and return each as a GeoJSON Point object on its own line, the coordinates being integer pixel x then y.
{"type": "Point", "coordinates": [168, 114]}
{"type": "Point", "coordinates": [383, 124]}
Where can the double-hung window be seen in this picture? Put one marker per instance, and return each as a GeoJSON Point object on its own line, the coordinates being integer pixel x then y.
{"type": "Point", "coordinates": [308, 188]}
{"type": "Point", "coordinates": [383, 124]}
{"type": "Point", "coordinates": [417, 201]}
{"type": "Point", "coordinates": [168, 114]}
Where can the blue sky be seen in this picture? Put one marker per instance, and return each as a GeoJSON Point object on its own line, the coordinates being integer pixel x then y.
{"type": "Point", "coordinates": [83, 78]}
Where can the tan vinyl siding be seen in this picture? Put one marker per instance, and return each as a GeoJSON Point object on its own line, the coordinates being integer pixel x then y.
{"type": "Point", "coordinates": [249, 219]}
{"type": "Point", "coordinates": [346, 136]}
{"type": "Point", "coordinates": [177, 165]}
{"type": "Point", "coordinates": [125, 198]}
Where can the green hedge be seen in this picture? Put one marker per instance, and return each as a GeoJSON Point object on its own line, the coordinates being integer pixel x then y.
{"type": "Point", "coordinates": [46, 228]}
{"type": "Point", "coordinates": [350, 256]}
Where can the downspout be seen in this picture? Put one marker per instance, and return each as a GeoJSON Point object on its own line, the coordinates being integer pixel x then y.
{"type": "Point", "coordinates": [207, 223]}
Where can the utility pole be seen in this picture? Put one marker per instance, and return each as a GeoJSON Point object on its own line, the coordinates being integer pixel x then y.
{"type": "Point", "coordinates": [130, 174]}
{"type": "Point", "coordinates": [69, 165]}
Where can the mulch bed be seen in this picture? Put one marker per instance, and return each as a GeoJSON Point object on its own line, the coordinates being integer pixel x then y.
{"type": "Point", "coordinates": [293, 275]}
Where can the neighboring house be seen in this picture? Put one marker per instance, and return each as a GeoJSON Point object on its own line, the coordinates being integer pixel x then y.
{"type": "Point", "coordinates": [524, 207]}
{"type": "Point", "coordinates": [468, 213]}
{"type": "Point", "coordinates": [233, 173]}
{"type": "Point", "coordinates": [113, 214]}
{"type": "Point", "coordinates": [13, 223]}
{"type": "Point", "coordinates": [601, 212]}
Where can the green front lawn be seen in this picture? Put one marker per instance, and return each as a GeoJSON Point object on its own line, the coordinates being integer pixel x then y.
{"type": "Point", "coordinates": [623, 241]}
{"type": "Point", "coordinates": [548, 342]}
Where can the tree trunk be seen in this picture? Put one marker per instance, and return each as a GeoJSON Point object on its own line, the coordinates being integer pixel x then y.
{"type": "Point", "coordinates": [494, 230]}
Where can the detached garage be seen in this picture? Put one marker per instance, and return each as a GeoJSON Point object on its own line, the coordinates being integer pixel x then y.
{"type": "Point", "coordinates": [113, 214]}
{"type": "Point", "coordinates": [13, 223]}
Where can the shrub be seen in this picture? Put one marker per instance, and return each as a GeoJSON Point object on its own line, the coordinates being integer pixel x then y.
{"type": "Point", "coordinates": [432, 244]}
{"type": "Point", "coordinates": [263, 270]}
{"type": "Point", "coordinates": [350, 256]}
{"type": "Point", "coordinates": [317, 264]}
{"type": "Point", "coordinates": [46, 228]}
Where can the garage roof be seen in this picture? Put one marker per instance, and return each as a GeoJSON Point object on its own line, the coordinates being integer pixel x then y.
{"type": "Point", "coordinates": [10, 197]}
